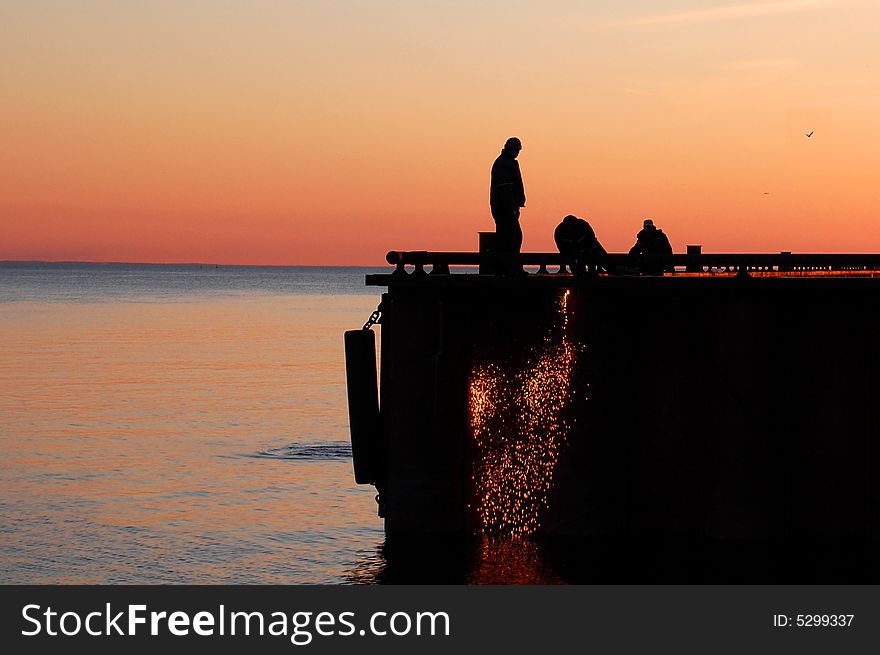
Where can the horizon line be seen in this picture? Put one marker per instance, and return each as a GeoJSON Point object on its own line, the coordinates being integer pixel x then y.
{"type": "Point", "coordinates": [215, 264]}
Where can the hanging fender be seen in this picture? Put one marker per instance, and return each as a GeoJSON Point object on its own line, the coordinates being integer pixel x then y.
{"type": "Point", "coordinates": [363, 402]}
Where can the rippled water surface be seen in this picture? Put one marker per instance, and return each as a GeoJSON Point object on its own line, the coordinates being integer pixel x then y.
{"type": "Point", "coordinates": [179, 424]}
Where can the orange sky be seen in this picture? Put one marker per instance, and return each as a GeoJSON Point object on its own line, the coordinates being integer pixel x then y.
{"type": "Point", "coordinates": [279, 132]}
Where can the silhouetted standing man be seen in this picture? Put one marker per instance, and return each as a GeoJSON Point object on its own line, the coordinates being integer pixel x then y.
{"type": "Point", "coordinates": [506, 196]}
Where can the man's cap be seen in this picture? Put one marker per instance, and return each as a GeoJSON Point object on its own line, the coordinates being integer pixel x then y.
{"type": "Point", "coordinates": [648, 223]}
{"type": "Point", "coordinates": [513, 143]}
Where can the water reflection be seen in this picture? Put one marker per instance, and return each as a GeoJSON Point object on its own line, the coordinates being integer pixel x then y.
{"type": "Point", "coordinates": [477, 560]}
{"type": "Point", "coordinates": [511, 560]}
{"type": "Point", "coordinates": [621, 559]}
{"type": "Point", "coordinates": [123, 427]}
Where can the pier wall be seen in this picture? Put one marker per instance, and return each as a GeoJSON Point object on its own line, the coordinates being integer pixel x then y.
{"type": "Point", "coordinates": [740, 409]}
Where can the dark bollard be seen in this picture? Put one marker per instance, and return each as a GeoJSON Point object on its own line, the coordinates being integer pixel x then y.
{"type": "Point", "coordinates": [488, 242]}
{"type": "Point", "coordinates": [395, 258]}
{"type": "Point", "coordinates": [784, 266]}
{"type": "Point", "coordinates": [693, 267]}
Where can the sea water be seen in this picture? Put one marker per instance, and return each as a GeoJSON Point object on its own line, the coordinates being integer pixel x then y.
{"type": "Point", "coordinates": [180, 424]}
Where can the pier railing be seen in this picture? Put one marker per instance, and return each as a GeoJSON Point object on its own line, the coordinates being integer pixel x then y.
{"type": "Point", "coordinates": [783, 263]}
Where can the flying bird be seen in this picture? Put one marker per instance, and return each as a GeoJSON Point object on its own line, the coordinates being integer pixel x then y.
{"type": "Point", "coordinates": [809, 135]}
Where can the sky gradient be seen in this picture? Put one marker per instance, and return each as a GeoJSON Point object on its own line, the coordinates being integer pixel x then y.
{"type": "Point", "coordinates": [329, 132]}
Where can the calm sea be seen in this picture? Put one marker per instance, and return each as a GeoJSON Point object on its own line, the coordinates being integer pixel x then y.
{"type": "Point", "coordinates": [180, 424]}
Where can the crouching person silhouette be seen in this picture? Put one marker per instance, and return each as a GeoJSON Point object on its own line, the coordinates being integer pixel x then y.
{"type": "Point", "coordinates": [577, 243]}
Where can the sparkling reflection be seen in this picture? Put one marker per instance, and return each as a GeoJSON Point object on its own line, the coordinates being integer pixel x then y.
{"type": "Point", "coordinates": [519, 425]}
{"type": "Point", "coordinates": [477, 560]}
{"type": "Point", "coordinates": [510, 560]}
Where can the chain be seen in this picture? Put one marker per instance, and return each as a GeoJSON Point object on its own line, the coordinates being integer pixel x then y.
{"type": "Point", "coordinates": [374, 318]}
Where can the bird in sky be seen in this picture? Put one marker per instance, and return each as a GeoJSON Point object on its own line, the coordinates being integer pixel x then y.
{"type": "Point", "coordinates": [809, 135]}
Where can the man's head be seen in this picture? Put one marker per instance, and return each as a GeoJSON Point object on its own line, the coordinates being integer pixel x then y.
{"type": "Point", "coordinates": [512, 146]}
{"type": "Point", "coordinates": [648, 224]}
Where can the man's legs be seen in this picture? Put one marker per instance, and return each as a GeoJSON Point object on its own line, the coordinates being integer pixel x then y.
{"type": "Point", "coordinates": [505, 237]}
{"type": "Point", "coordinates": [509, 236]}
{"type": "Point", "coordinates": [516, 237]}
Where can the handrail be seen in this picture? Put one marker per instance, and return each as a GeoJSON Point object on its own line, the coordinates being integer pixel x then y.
{"type": "Point", "coordinates": [742, 263]}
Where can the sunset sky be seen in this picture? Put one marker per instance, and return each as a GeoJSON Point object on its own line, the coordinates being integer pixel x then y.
{"type": "Point", "coordinates": [332, 131]}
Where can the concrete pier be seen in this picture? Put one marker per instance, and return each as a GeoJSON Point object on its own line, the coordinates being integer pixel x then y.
{"type": "Point", "coordinates": [734, 403]}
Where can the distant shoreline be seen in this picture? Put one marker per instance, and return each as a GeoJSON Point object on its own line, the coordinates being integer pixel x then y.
{"type": "Point", "coordinates": [36, 262]}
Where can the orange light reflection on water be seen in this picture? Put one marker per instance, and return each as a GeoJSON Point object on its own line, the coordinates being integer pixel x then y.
{"type": "Point", "coordinates": [132, 434]}
{"type": "Point", "coordinates": [510, 561]}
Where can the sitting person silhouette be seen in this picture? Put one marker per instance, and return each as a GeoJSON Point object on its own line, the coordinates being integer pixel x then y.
{"type": "Point", "coordinates": [577, 243]}
{"type": "Point", "coordinates": [651, 241]}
